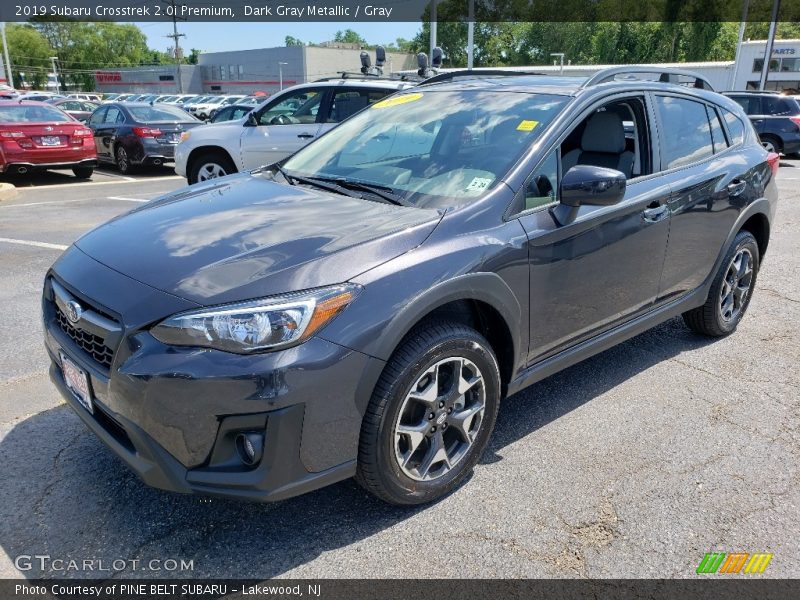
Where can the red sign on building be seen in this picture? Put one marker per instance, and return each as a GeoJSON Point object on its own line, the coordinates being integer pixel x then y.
{"type": "Point", "coordinates": [107, 76]}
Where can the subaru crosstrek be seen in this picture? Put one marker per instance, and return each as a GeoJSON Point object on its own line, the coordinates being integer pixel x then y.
{"type": "Point", "coordinates": [361, 308]}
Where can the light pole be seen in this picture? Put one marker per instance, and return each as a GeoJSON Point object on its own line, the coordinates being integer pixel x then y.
{"type": "Point", "coordinates": [561, 56]}
{"type": "Point", "coordinates": [280, 72]}
{"type": "Point", "coordinates": [53, 60]}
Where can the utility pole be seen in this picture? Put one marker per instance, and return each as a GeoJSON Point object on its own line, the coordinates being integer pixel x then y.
{"type": "Point", "coordinates": [434, 23]}
{"type": "Point", "coordinates": [742, 25]}
{"type": "Point", "coordinates": [53, 59]}
{"type": "Point", "coordinates": [9, 76]}
{"type": "Point", "coordinates": [470, 34]}
{"type": "Point", "coordinates": [176, 38]}
{"type": "Point", "coordinates": [280, 72]}
{"type": "Point", "coordinates": [776, 8]}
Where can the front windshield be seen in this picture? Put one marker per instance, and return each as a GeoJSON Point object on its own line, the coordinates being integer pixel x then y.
{"type": "Point", "coordinates": [431, 148]}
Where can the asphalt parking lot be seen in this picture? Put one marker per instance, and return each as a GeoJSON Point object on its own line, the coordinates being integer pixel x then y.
{"type": "Point", "coordinates": [632, 464]}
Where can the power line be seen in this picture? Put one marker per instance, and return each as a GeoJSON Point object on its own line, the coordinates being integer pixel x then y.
{"type": "Point", "coordinates": [176, 38]}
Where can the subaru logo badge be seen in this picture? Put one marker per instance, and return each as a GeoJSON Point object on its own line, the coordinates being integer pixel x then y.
{"type": "Point", "coordinates": [74, 311]}
{"type": "Point", "coordinates": [48, 128]}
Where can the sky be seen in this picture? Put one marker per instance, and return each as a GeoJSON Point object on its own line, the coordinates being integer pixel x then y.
{"type": "Point", "coordinates": [244, 36]}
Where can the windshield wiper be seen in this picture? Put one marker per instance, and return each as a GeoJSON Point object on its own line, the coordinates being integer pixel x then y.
{"type": "Point", "coordinates": [286, 176]}
{"type": "Point", "coordinates": [384, 192]}
{"type": "Point", "coordinates": [323, 184]}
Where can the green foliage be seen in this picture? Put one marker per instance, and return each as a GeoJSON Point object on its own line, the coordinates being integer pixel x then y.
{"type": "Point", "coordinates": [349, 36]}
{"type": "Point", "coordinates": [29, 53]}
{"type": "Point", "coordinates": [292, 41]}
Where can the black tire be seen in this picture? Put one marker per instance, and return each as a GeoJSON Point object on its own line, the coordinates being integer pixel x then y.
{"type": "Point", "coordinates": [710, 319]}
{"type": "Point", "coordinates": [774, 141]}
{"type": "Point", "coordinates": [83, 172]}
{"type": "Point", "coordinates": [379, 470]}
{"type": "Point", "coordinates": [122, 160]}
{"type": "Point", "coordinates": [218, 159]}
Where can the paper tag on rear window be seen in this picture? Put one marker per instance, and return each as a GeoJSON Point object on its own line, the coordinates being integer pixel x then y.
{"type": "Point", "coordinates": [478, 184]}
{"type": "Point", "coordinates": [527, 125]}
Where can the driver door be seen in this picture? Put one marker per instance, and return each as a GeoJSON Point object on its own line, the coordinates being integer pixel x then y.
{"type": "Point", "coordinates": [285, 125]}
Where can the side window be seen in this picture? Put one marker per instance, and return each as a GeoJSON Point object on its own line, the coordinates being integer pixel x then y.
{"type": "Point", "coordinates": [296, 107]}
{"type": "Point", "coordinates": [113, 115]}
{"type": "Point", "coordinates": [717, 136]}
{"type": "Point", "coordinates": [72, 105]}
{"type": "Point", "coordinates": [98, 116]}
{"type": "Point", "coordinates": [542, 187]}
{"type": "Point", "coordinates": [777, 106]}
{"type": "Point", "coordinates": [750, 104]}
{"type": "Point", "coordinates": [685, 131]}
{"type": "Point", "coordinates": [735, 127]}
{"type": "Point", "coordinates": [347, 102]}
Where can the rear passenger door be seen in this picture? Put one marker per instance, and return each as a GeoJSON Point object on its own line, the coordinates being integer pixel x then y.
{"type": "Point", "coordinates": [709, 182]}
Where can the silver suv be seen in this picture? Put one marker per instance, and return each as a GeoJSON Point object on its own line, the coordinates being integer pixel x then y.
{"type": "Point", "coordinates": [277, 128]}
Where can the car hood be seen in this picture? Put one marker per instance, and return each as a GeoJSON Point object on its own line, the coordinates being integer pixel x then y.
{"type": "Point", "coordinates": [245, 236]}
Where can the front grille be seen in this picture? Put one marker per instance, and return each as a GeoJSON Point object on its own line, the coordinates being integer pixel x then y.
{"type": "Point", "coordinates": [90, 343]}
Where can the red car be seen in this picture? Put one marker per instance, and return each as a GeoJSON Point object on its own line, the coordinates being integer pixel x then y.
{"type": "Point", "coordinates": [37, 136]}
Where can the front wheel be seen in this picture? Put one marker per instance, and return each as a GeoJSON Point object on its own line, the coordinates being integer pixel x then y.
{"type": "Point", "coordinates": [210, 166]}
{"type": "Point", "coordinates": [730, 291]}
{"type": "Point", "coordinates": [430, 416]}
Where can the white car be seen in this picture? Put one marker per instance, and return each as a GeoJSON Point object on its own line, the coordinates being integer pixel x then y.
{"type": "Point", "coordinates": [203, 109]}
{"type": "Point", "coordinates": [280, 126]}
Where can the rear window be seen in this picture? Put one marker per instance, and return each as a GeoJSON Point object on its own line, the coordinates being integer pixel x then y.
{"type": "Point", "coordinates": [31, 114]}
{"type": "Point", "coordinates": [776, 105]}
{"type": "Point", "coordinates": [158, 114]}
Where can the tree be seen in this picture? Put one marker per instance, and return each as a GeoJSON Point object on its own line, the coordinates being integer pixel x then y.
{"type": "Point", "coordinates": [292, 41]}
{"type": "Point", "coordinates": [348, 36]}
{"type": "Point", "coordinates": [83, 48]}
{"type": "Point", "coordinates": [29, 53]}
{"type": "Point", "coordinates": [193, 57]}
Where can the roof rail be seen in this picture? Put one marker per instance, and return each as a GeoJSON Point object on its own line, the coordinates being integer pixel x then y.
{"type": "Point", "coordinates": [371, 76]}
{"type": "Point", "coordinates": [477, 73]}
{"type": "Point", "coordinates": [666, 75]}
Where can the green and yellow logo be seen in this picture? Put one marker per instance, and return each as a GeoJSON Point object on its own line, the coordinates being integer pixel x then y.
{"type": "Point", "coordinates": [734, 562]}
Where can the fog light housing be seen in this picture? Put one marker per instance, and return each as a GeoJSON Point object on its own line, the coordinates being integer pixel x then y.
{"type": "Point", "coordinates": [250, 447]}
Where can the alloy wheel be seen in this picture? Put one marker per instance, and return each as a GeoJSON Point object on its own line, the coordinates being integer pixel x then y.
{"type": "Point", "coordinates": [768, 146]}
{"type": "Point", "coordinates": [736, 285]}
{"type": "Point", "coordinates": [122, 159]}
{"type": "Point", "coordinates": [439, 419]}
{"type": "Point", "coordinates": [210, 171]}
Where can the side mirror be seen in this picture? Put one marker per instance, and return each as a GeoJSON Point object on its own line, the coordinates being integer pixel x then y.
{"type": "Point", "coordinates": [252, 120]}
{"type": "Point", "coordinates": [587, 184]}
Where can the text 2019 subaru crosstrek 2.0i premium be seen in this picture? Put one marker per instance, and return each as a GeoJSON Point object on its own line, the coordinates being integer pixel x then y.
{"type": "Point", "coordinates": [361, 308]}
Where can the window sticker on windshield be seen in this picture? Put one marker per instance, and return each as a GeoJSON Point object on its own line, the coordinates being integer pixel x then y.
{"type": "Point", "coordinates": [527, 125]}
{"type": "Point", "coordinates": [394, 101]}
{"type": "Point", "coordinates": [478, 184]}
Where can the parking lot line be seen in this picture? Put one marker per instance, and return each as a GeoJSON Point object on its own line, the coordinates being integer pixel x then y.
{"type": "Point", "coordinates": [128, 199]}
{"type": "Point", "coordinates": [93, 183]}
{"type": "Point", "coordinates": [32, 243]}
{"type": "Point", "coordinates": [44, 202]}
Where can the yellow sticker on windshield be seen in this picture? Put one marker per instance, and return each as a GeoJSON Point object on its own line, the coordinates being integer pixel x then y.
{"type": "Point", "coordinates": [527, 125]}
{"type": "Point", "coordinates": [395, 100]}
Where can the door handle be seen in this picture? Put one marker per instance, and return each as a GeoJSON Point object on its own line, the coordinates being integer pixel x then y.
{"type": "Point", "coordinates": [736, 188]}
{"type": "Point", "coordinates": [655, 211]}
{"type": "Point", "coordinates": [305, 135]}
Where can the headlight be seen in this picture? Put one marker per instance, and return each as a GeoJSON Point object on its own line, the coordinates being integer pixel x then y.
{"type": "Point", "coordinates": [185, 135]}
{"type": "Point", "coordinates": [266, 324]}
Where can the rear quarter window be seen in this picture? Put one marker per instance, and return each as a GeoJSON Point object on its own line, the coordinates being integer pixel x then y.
{"type": "Point", "coordinates": [735, 127]}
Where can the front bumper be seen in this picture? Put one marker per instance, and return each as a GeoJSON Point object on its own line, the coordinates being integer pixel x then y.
{"type": "Point", "coordinates": [172, 414]}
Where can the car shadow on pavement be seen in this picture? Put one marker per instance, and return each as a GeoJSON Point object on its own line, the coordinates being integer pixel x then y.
{"type": "Point", "coordinates": [65, 496]}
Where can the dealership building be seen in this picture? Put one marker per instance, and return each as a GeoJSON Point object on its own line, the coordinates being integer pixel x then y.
{"type": "Point", "coordinates": [247, 71]}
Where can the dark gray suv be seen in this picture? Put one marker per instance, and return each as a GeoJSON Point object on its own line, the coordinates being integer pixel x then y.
{"type": "Point", "coordinates": [362, 308]}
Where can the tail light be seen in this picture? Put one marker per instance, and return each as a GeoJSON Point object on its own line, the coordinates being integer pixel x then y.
{"type": "Point", "coordinates": [146, 132]}
{"type": "Point", "coordinates": [774, 161]}
{"type": "Point", "coordinates": [796, 120]}
{"type": "Point", "coordinates": [19, 136]}
{"type": "Point", "coordinates": [79, 135]}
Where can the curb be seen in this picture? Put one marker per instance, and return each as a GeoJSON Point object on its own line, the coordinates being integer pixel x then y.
{"type": "Point", "coordinates": [7, 191]}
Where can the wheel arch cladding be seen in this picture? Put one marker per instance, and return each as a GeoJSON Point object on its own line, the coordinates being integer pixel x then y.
{"type": "Point", "coordinates": [758, 225]}
{"type": "Point", "coordinates": [481, 300]}
{"type": "Point", "coordinates": [195, 154]}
